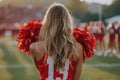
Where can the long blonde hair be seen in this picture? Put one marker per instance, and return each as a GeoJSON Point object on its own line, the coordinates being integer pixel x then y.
{"type": "Point", "coordinates": [56, 33]}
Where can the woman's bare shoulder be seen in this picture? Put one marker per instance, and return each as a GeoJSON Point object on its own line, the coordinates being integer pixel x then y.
{"type": "Point", "coordinates": [36, 45]}
{"type": "Point", "coordinates": [36, 49]}
{"type": "Point", "coordinates": [79, 46]}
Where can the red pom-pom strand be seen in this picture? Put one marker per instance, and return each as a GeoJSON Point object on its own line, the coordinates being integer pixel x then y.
{"type": "Point", "coordinates": [28, 34]}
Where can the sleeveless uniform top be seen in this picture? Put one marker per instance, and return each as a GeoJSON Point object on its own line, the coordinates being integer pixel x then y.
{"type": "Point", "coordinates": [101, 32]}
{"type": "Point", "coordinates": [112, 31]}
{"type": "Point", "coordinates": [48, 72]}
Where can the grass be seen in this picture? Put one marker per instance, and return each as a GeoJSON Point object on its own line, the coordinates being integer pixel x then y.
{"type": "Point", "coordinates": [101, 73]}
{"type": "Point", "coordinates": [10, 55]}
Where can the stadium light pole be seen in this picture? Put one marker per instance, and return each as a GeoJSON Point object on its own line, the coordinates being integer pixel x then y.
{"type": "Point", "coordinates": [99, 5]}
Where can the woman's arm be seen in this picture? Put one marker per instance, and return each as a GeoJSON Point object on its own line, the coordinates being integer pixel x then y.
{"type": "Point", "coordinates": [33, 51]}
{"type": "Point", "coordinates": [78, 66]}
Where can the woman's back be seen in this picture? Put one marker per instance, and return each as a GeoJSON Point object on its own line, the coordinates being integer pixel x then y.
{"type": "Point", "coordinates": [45, 64]}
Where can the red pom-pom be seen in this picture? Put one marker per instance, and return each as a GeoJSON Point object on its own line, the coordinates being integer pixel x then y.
{"type": "Point", "coordinates": [28, 34]}
{"type": "Point", "coordinates": [87, 40]}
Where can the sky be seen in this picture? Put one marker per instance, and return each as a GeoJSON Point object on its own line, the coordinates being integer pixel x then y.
{"type": "Point", "coordinates": [103, 2]}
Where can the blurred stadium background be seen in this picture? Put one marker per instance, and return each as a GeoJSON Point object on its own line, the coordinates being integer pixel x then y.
{"type": "Point", "coordinates": [15, 65]}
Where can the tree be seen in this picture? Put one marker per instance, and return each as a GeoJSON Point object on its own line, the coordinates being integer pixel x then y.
{"type": "Point", "coordinates": [112, 10]}
{"type": "Point", "coordinates": [77, 8]}
{"type": "Point", "coordinates": [89, 17]}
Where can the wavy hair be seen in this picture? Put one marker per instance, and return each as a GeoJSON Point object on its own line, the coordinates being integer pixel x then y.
{"type": "Point", "coordinates": [56, 33]}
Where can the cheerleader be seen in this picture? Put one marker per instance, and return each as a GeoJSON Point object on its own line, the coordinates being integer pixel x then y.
{"type": "Point", "coordinates": [57, 49]}
{"type": "Point", "coordinates": [96, 29]}
{"type": "Point", "coordinates": [118, 33]}
{"type": "Point", "coordinates": [101, 33]}
{"type": "Point", "coordinates": [91, 29]}
{"type": "Point", "coordinates": [112, 44]}
{"type": "Point", "coordinates": [57, 55]}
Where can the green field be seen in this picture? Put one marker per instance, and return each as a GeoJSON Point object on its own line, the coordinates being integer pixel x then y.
{"type": "Point", "coordinates": [12, 68]}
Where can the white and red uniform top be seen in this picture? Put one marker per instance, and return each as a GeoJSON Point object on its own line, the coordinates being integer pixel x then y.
{"type": "Point", "coordinates": [49, 72]}
{"type": "Point", "coordinates": [101, 33]}
{"type": "Point", "coordinates": [92, 31]}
